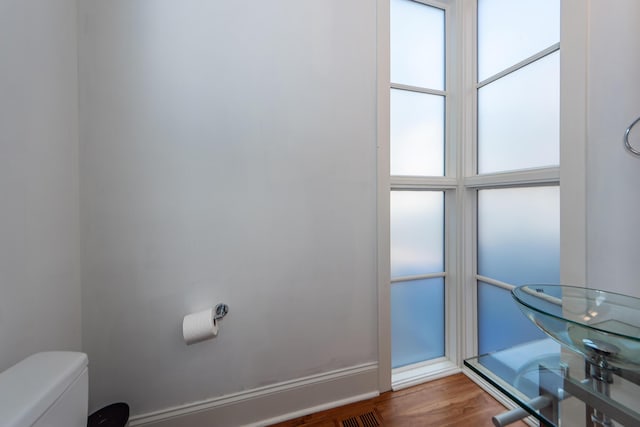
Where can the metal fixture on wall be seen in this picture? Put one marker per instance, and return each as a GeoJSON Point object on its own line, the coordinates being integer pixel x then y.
{"type": "Point", "coordinates": [627, 144]}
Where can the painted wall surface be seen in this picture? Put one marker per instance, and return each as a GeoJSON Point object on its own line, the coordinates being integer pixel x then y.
{"type": "Point", "coordinates": [613, 175]}
{"type": "Point", "coordinates": [228, 154]}
{"type": "Point", "coordinates": [39, 272]}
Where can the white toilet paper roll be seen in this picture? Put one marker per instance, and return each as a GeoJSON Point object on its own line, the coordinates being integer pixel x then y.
{"type": "Point", "coordinates": [199, 326]}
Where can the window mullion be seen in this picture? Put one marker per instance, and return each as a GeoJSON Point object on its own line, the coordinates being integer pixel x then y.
{"type": "Point", "coordinates": [418, 277]}
{"type": "Point", "coordinates": [540, 176]}
{"type": "Point", "coordinates": [533, 58]}
{"type": "Point", "coordinates": [419, 89]}
{"type": "Point", "coordinates": [427, 183]}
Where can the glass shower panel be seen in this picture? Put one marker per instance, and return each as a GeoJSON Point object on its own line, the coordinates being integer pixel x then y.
{"type": "Point", "coordinates": [417, 321]}
{"type": "Point", "coordinates": [417, 133]}
{"type": "Point", "coordinates": [417, 233]}
{"type": "Point", "coordinates": [519, 118]}
{"type": "Point", "coordinates": [501, 324]}
{"type": "Point", "coordinates": [417, 44]}
{"type": "Point", "coordinates": [510, 31]}
{"type": "Point", "coordinates": [519, 234]}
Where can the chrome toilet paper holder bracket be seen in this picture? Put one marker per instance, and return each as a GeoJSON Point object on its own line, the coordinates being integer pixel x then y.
{"type": "Point", "coordinates": [220, 310]}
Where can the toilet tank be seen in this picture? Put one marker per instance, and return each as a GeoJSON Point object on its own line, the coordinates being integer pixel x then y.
{"type": "Point", "coordinates": [48, 389]}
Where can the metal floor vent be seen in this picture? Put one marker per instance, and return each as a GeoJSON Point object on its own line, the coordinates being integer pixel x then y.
{"type": "Point", "coordinates": [368, 419]}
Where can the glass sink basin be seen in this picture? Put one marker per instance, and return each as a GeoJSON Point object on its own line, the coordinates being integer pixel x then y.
{"type": "Point", "coordinates": [600, 325]}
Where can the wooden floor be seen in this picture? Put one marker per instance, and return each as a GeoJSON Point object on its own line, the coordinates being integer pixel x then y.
{"type": "Point", "coordinates": [453, 401]}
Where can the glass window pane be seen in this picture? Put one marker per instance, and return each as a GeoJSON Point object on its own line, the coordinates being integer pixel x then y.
{"type": "Point", "coordinates": [519, 118]}
{"type": "Point", "coordinates": [519, 234]}
{"type": "Point", "coordinates": [417, 134]}
{"type": "Point", "coordinates": [501, 324]}
{"type": "Point", "coordinates": [417, 44]}
{"type": "Point", "coordinates": [417, 232]}
{"type": "Point", "coordinates": [417, 321]}
{"type": "Point", "coordinates": [511, 31]}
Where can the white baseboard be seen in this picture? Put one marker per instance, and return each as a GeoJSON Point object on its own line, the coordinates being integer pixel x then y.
{"type": "Point", "coordinates": [270, 404]}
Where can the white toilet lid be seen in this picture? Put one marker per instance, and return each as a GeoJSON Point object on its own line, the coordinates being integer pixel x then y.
{"type": "Point", "coordinates": [31, 386]}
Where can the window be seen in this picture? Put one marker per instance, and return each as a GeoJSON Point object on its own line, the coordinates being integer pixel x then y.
{"type": "Point", "coordinates": [417, 282]}
{"type": "Point", "coordinates": [518, 242]}
{"type": "Point", "coordinates": [518, 104]}
{"type": "Point", "coordinates": [418, 99]}
{"type": "Point", "coordinates": [473, 175]}
{"type": "Point", "coordinates": [417, 89]}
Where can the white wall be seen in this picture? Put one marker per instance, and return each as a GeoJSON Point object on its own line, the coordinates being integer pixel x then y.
{"type": "Point", "coordinates": [613, 175]}
{"type": "Point", "coordinates": [228, 154]}
{"type": "Point", "coordinates": [39, 272]}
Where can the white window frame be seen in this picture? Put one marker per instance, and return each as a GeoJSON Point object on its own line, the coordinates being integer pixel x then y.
{"type": "Point", "coordinates": [462, 183]}
{"type": "Point", "coordinates": [571, 175]}
{"type": "Point", "coordinates": [417, 373]}
{"type": "Point", "coordinates": [472, 182]}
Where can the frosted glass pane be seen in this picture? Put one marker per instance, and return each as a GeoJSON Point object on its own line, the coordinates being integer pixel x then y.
{"type": "Point", "coordinates": [519, 234]}
{"type": "Point", "coordinates": [417, 44]}
{"type": "Point", "coordinates": [501, 324]}
{"type": "Point", "coordinates": [417, 321]}
{"type": "Point", "coordinates": [417, 134]}
{"type": "Point", "coordinates": [417, 232]}
{"type": "Point", "coordinates": [510, 31]}
{"type": "Point", "coordinates": [519, 118]}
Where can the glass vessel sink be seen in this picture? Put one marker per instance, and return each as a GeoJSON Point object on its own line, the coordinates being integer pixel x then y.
{"type": "Point", "coordinates": [602, 326]}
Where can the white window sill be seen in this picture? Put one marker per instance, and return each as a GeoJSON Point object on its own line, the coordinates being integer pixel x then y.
{"type": "Point", "coordinates": [422, 372]}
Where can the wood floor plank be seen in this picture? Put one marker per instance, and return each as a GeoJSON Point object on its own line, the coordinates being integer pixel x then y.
{"type": "Point", "coordinates": [454, 401]}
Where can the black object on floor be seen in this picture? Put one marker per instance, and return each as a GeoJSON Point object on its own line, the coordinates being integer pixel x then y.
{"type": "Point", "coordinates": [114, 415]}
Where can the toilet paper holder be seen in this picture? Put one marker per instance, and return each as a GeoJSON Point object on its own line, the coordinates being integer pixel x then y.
{"type": "Point", "coordinates": [220, 310]}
